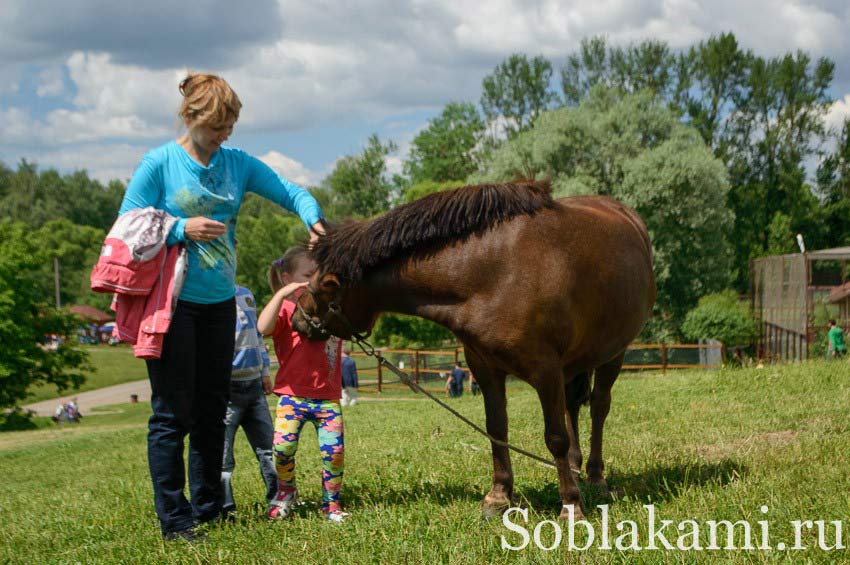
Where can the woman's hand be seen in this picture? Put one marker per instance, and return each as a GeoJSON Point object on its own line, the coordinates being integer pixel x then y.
{"type": "Point", "coordinates": [316, 230]}
{"type": "Point", "coordinates": [200, 228]}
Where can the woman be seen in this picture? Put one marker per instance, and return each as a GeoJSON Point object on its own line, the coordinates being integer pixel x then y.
{"type": "Point", "coordinates": [197, 180]}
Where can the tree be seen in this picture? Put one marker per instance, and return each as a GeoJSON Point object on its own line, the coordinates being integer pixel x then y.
{"type": "Point", "coordinates": [517, 90]}
{"type": "Point", "coordinates": [358, 185]}
{"type": "Point", "coordinates": [775, 129]}
{"type": "Point", "coordinates": [77, 248]}
{"type": "Point", "coordinates": [833, 184]}
{"type": "Point", "coordinates": [648, 65]}
{"type": "Point", "coordinates": [25, 320]}
{"type": "Point", "coordinates": [445, 150]}
{"type": "Point", "coordinates": [424, 188]}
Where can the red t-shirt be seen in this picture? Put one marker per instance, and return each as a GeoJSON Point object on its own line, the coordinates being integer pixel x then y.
{"type": "Point", "coordinates": [311, 369]}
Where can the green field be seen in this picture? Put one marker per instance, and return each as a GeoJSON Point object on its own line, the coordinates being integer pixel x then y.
{"type": "Point", "coordinates": [111, 366]}
{"type": "Point", "coordinates": [698, 445]}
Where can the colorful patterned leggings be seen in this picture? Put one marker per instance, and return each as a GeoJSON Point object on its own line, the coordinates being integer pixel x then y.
{"type": "Point", "coordinates": [326, 415]}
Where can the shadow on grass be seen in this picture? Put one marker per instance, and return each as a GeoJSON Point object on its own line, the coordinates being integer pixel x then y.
{"type": "Point", "coordinates": [370, 495]}
{"type": "Point", "coordinates": [655, 484]}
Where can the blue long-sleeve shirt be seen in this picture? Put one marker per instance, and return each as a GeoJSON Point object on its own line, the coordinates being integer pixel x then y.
{"type": "Point", "coordinates": [169, 179]}
{"type": "Point", "coordinates": [250, 358]}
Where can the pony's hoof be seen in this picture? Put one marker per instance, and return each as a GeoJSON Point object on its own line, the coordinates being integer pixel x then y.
{"type": "Point", "coordinates": [494, 507]}
{"type": "Point", "coordinates": [578, 513]}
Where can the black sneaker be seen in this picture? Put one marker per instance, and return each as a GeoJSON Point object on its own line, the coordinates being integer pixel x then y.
{"type": "Point", "coordinates": [191, 535]}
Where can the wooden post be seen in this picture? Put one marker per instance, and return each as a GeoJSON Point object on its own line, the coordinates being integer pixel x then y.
{"type": "Point", "coordinates": [663, 358]}
{"type": "Point", "coordinates": [416, 366]}
{"type": "Point", "coordinates": [380, 378]}
{"type": "Point", "coordinates": [722, 353]}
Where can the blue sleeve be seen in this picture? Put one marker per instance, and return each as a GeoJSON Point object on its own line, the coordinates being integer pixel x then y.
{"type": "Point", "coordinates": [265, 355]}
{"type": "Point", "coordinates": [264, 181]}
{"type": "Point", "coordinates": [145, 189]}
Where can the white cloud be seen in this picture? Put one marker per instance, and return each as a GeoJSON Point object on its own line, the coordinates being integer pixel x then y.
{"type": "Point", "coordinates": [838, 113]}
{"type": "Point", "coordinates": [104, 162]}
{"type": "Point", "coordinates": [291, 169]}
{"type": "Point", "coordinates": [50, 82]}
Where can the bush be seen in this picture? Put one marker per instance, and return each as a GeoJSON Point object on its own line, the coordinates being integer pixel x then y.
{"type": "Point", "coordinates": [720, 316]}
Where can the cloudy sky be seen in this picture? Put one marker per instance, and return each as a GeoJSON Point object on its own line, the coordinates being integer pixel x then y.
{"type": "Point", "coordinates": [92, 84]}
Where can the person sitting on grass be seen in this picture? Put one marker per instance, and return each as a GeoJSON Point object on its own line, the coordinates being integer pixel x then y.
{"type": "Point", "coordinates": [309, 384]}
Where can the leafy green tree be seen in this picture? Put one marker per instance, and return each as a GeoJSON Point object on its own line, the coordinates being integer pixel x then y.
{"type": "Point", "coordinates": [445, 150]}
{"type": "Point", "coordinates": [77, 248]}
{"type": "Point", "coordinates": [648, 65]}
{"type": "Point", "coordinates": [517, 90]}
{"type": "Point", "coordinates": [833, 184]}
{"type": "Point", "coordinates": [409, 332]}
{"type": "Point", "coordinates": [722, 317]}
{"type": "Point", "coordinates": [358, 185]}
{"type": "Point", "coordinates": [37, 197]}
{"type": "Point", "coordinates": [25, 320]}
{"type": "Point", "coordinates": [427, 187]}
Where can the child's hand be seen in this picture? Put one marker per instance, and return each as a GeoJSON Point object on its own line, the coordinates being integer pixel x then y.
{"type": "Point", "coordinates": [291, 288]}
{"type": "Point", "coordinates": [267, 385]}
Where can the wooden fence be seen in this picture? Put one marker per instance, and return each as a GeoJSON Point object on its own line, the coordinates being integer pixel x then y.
{"type": "Point", "coordinates": [432, 367]}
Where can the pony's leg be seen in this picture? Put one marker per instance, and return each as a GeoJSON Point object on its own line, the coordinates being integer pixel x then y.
{"type": "Point", "coordinates": [600, 404]}
{"type": "Point", "coordinates": [492, 384]}
{"type": "Point", "coordinates": [577, 393]}
{"type": "Point", "coordinates": [551, 391]}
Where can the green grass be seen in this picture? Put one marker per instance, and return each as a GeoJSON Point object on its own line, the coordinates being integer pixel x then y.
{"type": "Point", "coordinates": [699, 445]}
{"type": "Point", "coordinates": [112, 366]}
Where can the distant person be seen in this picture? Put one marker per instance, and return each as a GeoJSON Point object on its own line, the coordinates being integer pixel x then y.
{"type": "Point", "coordinates": [455, 380]}
{"type": "Point", "coordinates": [473, 385]}
{"type": "Point", "coordinates": [73, 410]}
{"type": "Point", "coordinates": [836, 341]}
{"type": "Point", "coordinates": [349, 379]}
{"type": "Point", "coordinates": [249, 385]}
{"type": "Point", "coordinates": [60, 414]}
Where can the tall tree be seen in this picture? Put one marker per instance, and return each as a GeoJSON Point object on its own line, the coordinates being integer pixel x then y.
{"type": "Point", "coordinates": [517, 91]}
{"type": "Point", "coordinates": [445, 150]}
{"type": "Point", "coordinates": [25, 320]}
{"type": "Point", "coordinates": [358, 185]}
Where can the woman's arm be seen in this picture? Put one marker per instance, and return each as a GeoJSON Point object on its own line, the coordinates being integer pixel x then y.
{"type": "Point", "coordinates": [267, 320]}
{"type": "Point", "coordinates": [268, 184]}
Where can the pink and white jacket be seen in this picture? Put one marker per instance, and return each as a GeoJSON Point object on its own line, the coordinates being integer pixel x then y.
{"type": "Point", "coordinates": [145, 275]}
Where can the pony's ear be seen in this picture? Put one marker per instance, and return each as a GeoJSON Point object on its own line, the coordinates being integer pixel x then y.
{"type": "Point", "coordinates": [329, 282]}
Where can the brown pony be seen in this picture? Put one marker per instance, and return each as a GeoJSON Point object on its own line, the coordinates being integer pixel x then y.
{"type": "Point", "coordinates": [551, 291]}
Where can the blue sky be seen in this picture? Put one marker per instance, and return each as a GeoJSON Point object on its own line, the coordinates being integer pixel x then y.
{"type": "Point", "coordinates": [92, 84]}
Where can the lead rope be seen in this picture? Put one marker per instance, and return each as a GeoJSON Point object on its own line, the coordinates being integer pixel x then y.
{"type": "Point", "coordinates": [369, 350]}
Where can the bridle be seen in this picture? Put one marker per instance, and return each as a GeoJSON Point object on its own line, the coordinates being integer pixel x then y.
{"type": "Point", "coordinates": [334, 311]}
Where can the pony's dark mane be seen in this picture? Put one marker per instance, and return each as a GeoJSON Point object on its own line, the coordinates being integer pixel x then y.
{"type": "Point", "coordinates": [352, 248]}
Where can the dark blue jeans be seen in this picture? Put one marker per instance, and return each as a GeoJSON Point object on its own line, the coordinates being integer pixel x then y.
{"type": "Point", "coordinates": [248, 408]}
{"type": "Point", "coordinates": [190, 386]}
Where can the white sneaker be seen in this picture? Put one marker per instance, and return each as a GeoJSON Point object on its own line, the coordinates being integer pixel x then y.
{"type": "Point", "coordinates": [337, 516]}
{"type": "Point", "coordinates": [281, 505]}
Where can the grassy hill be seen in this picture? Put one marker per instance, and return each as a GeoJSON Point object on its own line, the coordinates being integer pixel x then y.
{"type": "Point", "coordinates": [714, 445]}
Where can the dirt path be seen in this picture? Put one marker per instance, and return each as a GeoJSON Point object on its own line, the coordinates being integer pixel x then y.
{"type": "Point", "coordinates": [118, 394]}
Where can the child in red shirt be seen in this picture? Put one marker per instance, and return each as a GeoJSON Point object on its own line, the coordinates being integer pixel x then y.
{"type": "Point", "coordinates": [309, 384]}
